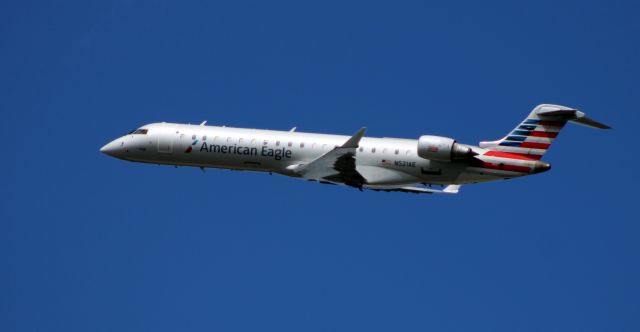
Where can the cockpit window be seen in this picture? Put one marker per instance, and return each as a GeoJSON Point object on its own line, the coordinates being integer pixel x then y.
{"type": "Point", "coordinates": [139, 132]}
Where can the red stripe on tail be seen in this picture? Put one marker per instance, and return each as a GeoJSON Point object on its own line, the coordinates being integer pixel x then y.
{"type": "Point", "coordinates": [538, 133]}
{"type": "Point", "coordinates": [508, 155]}
{"type": "Point", "coordinates": [534, 145]}
{"type": "Point", "coordinates": [503, 167]}
{"type": "Point", "coordinates": [513, 155]}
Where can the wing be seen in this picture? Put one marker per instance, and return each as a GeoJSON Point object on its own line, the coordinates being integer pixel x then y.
{"type": "Point", "coordinates": [450, 189]}
{"type": "Point", "coordinates": [337, 165]}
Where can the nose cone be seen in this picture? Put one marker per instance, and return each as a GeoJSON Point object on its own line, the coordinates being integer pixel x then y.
{"type": "Point", "coordinates": [540, 167]}
{"type": "Point", "coordinates": [113, 148]}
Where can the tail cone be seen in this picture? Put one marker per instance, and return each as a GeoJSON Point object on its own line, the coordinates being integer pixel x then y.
{"type": "Point", "coordinates": [540, 167]}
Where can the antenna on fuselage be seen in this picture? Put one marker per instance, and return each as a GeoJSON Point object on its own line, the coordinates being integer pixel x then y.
{"type": "Point", "coordinates": [293, 129]}
{"type": "Point", "coordinates": [203, 123]}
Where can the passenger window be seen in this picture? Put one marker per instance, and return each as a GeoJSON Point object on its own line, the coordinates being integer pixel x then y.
{"type": "Point", "coordinates": [302, 145]}
{"type": "Point", "coordinates": [361, 149]}
{"type": "Point", "coordinates": [290, 144]}
{"type": "Point", "coordinates": [228, 139]}
{"type": "Point", "coordinates": [397, 151]}
{"type": "Point", "coordinates": [373, 150]}
{"type": "Point", "coordinates": [277, 143]}
{"type": "Point", "coordinates": [384, 151]}
{"type": "Point", "coordinates": [204, 138]}
{"type": "Point", "coordinates": [193, 137]}
{"type": "Point", "coordinates": [265, 142]}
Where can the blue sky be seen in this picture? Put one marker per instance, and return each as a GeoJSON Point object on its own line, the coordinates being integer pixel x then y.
{"type": "Point", "coordinates": [91, 243]}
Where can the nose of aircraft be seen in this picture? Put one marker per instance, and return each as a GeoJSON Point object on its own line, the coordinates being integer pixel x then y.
{"type": "Point", "coordinates": [113, 148]}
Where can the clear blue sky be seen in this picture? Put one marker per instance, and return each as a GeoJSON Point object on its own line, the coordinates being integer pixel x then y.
{"type": "Point", "coordinates": [91, 243]}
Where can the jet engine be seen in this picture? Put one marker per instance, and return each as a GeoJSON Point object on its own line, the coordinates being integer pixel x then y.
{"type": "Point", "coordinates": [443, 149]}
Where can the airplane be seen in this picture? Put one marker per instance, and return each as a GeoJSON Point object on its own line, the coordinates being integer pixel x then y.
{"type": "Point", "coordinates": [380, 164]}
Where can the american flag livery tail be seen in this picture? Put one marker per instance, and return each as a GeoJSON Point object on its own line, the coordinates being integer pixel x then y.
{"type": "Point", "coordinates": [534, 135]}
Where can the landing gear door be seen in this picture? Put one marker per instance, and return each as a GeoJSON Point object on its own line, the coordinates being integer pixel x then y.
{"type": "Point", "coordinates": [165, 141]}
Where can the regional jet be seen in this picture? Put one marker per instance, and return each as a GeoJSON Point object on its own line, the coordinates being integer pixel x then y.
{"type": "Point", "coordinates": [381, 164]}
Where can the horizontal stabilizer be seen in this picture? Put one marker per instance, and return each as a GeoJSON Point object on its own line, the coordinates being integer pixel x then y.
{"type": "Point", "coordinates": [585, 121]}
{"type": "Point", "coordinates": [572, 115]}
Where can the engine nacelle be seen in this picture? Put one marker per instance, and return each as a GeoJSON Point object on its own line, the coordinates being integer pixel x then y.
{"type": "Point", "coordinates": [443, 149]}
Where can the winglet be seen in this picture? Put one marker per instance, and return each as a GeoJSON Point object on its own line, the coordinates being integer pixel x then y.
{"type": "Point", "coordinates": [354, 141]}
{"type": "Point", "coordinates": [451, 189]}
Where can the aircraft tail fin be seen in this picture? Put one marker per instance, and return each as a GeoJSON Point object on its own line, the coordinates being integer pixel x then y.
{"type": "Point", "coordinates": [534, 135]}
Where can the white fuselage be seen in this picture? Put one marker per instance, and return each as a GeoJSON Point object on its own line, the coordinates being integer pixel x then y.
{"type": "Point", "coordinates": [382, 161]}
